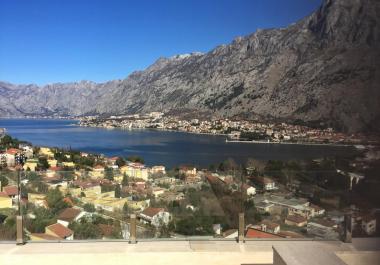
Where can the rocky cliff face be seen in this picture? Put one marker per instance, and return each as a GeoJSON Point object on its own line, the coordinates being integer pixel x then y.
{"type": "Point", "coordinates": [324, 68]}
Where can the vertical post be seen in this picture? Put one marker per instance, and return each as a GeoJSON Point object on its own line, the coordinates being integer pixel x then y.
{"type": "Point", "coordinates": [241, 228]}
{"type": "Point", "coordinates": [19, 227]}
{"type": "Point", "coordinates": [132, 229]}
{"type": "Point", "coordinates": [347, 233]}
{"type": "Point", "coordinates": [19, 221]}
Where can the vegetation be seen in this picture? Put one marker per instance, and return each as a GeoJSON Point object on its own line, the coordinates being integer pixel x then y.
{"type": "Point", "coordinates": [89, 207]}
{"type": "Point", "coordinates": [136, 159]}
{"type": "Point", "coordinates": [85, 229]}
{"type": "Point", "coordinates": [3, 180]}
{"type": "Point", "coordinates": [55, 200]}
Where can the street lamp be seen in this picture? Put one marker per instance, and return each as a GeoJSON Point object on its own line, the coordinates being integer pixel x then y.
{"type": "Point", "coordinates": [20, 160]}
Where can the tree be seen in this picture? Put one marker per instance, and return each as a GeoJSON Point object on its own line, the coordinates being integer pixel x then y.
{"type": "Point", "coordinates": [125, 180]}
{"type": "Point", "coordinates": [125, 209]}
{"type": "Point", "coordinates": [135, 158]}
{"type": "Point", "coordinates": [85, 230]}
{"type": "Point", "coordinates": [3, 180]}
{"type": "Point", "coordinates": [55, 201]}
{"type": "Point", "coordinates": [89, 207]}
{"type": "Point", "coordinates": [257, 165]}
{"type": "Point", "coordinates": [109, 173]}
{"type": "Point", "coordinates": [228, 165]}
{"type": "Point", "coordinates": [117, 191]}
{"type": "Point", "coordinates": [43, 163]}
{"type": "Point", "coordinates": [33, 176]}
{"type": "Point", "coordinates": [120, 162]}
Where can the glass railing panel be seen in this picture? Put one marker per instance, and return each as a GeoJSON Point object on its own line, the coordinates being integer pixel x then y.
{"type": "Point", "coordinates": [8, 205]}
{"type": "Point", "coordinates": [273, 199]}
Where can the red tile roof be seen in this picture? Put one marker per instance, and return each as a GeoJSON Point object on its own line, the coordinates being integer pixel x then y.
{"type": "Point", "coordinates": [11, 190]}
{"type": "Point", "coordinates": [269, 224]}
{"type": "Point", "coordinates": [254, 233]}
{"type": "Point", "coordinates": [60, 230]}
{"type": "Point", "coordinates": [106, 229]}
{"type": "Point", "coordinates": [150, 211]}
{"type": "Point", "coordinates": [290, 234]}
{"type": "Point", "coordinates": [69, 214]}
{"type": "Point", "coordinates": [296, 218]}
{"type": "Point", "coordinates": [45, 236]}
{"type": "Point", "coordinates": [3, 194]}
{"type": "Point", "coordinates": [13, 151]}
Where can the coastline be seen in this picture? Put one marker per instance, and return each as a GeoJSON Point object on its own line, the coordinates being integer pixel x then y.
{"type": "Point", "coordinates": [290, 143]}
{"type": "Point", "coordinates": [229, 141]}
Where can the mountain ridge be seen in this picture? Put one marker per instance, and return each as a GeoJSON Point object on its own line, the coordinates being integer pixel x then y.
{"type": "Point", "coordinates": [321, 69]}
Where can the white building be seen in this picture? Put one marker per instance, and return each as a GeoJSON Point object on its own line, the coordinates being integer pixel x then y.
{"type": "Point", "coordinates": [155, 216]}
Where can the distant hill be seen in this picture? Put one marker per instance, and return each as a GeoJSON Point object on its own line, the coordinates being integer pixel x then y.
{"type": "Point", "coordinates": [324, 68]}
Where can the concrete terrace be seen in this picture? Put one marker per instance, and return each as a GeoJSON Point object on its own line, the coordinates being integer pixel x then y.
{"type": "Point", "coordinates": [189, 252]}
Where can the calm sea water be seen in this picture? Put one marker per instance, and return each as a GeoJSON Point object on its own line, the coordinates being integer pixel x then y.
{"type": "Point", "coordinates": [156, 147]}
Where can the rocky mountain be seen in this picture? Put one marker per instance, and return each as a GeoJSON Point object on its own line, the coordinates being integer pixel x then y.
{"type": "Point", "coordinates": [322, 69]}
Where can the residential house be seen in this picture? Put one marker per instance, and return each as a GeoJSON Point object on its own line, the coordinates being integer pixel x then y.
{"type": "Point", "coordinates": [249, 190]}
{"type": "Point", "coordinates": [138, 205]}
{"type": "Point", "coordinates": [290, 234]}
{"type": "Point", "coordinates": [69, 215]}
{"type": "Point", "coordinates": [296, 220]}
{"type": "Point", "coordinates": [11, 156]}
{"type": "Point", "coordinates": [45, 151]}
{"type": "Point", "coordinates": [268, 226]}
{"type": "Point", "coordinates": [52, 162]}
{"type": "Point", "coordinates": [97, 172]}
{"type": "Point", "coordinates": [5, 201]}
{"type": "Point", "coordinates": [3, 159]}
{"type": "Point", "coordinates": [318, 211]}
{"type": "Point", "coordinates": [43, 237]}
{"type": "Point", "coordinates": [323, 228]}
{"type": "Point", "coordinates": [157, 191]}
{"type": "Point", "coordinates": [231, 233]}
{"type": "Point", "coordinates": [158, 169]}
{"type": "Point", "coordinates": [256, 233]}
{"type": "Point", "coordinates": [59, 230]}
{"type": "Point", "coordinates": [135, 170]}
{"type": "Point", "coordinates": [11, 191]}
{"type": "Point", "coordinates": [27, 150]}
{"type": "Point", "coordinates": [188, 170]}
{"type": "Point", "coordinates": [68, 164]}
{"type": "Point", "coordinates": [38, 200]}
{"type": "Point", "coordinates": [155, 216]}
{"type": "Point", "coordinates": [264, 207]}
{"type": "Point", "coordinates": [31, 164]}
{"type": "Point", "coordinates": [265, 183]}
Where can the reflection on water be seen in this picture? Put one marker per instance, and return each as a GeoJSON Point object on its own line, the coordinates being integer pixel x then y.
{"type": "Point", "coordinates": [156, 147]}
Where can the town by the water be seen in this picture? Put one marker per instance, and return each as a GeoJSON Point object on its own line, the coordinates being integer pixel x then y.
{"type": "Point", "coordinates": [68, 194]}
{"type": "Point", "coordinates": [234, 129]}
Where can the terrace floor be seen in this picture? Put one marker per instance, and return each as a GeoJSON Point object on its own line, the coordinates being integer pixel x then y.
{"type": "Point", "coordinates": [178, 252]}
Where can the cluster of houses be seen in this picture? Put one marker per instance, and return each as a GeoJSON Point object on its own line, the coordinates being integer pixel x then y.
{"type": "Point", "coordinates": [276, 132]}
{"type": "Point", "coordinates": [286, 215]}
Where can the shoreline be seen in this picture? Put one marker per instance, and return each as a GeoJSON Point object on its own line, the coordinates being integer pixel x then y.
{"type": "Point", "coordinates": [230, 141]}
{"type": "Point", "coordinates": [290, 143]}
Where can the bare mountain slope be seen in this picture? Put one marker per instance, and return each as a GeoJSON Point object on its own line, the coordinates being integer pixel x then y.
{"type": "Point", "coordinates": [325, 68]}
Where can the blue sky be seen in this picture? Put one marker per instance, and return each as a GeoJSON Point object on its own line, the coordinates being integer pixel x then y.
{"type": "Point", "coordinates": [46, 41]}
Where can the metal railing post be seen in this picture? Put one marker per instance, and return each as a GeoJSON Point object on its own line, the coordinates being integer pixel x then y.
{"type": "Point", "coordinates": [132, 229]}
{"type": "Point", "coordinates": [241, 228]}
{"type": "Point", "coordinates": [347, 233]}
{"type": "Point", "coordinates": [19, 228]}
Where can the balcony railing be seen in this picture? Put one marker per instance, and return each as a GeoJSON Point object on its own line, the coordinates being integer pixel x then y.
{"type": "Point", "coordinates": [66, 205]}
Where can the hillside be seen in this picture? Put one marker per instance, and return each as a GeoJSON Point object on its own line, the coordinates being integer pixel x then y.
{"type": "Point", "coordinates": [324, 68]}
